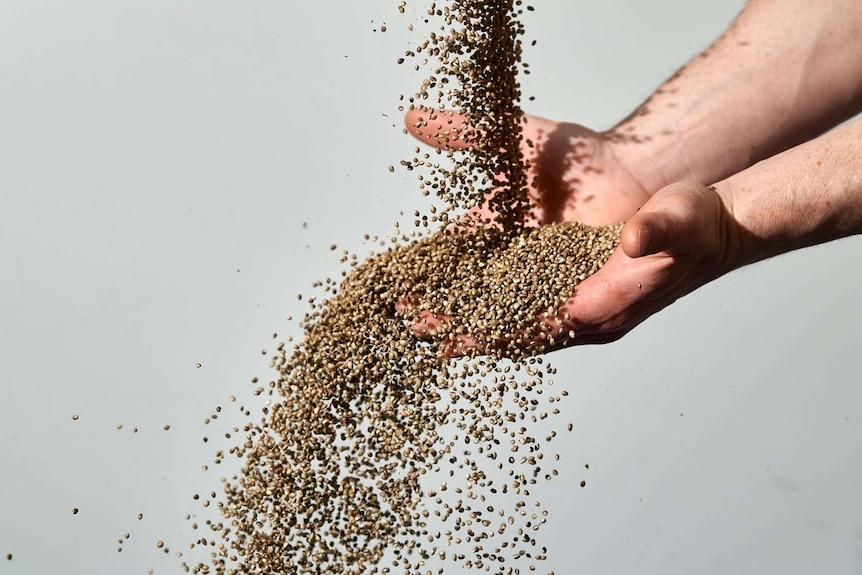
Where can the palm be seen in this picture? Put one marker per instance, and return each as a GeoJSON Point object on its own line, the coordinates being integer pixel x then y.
{"type": "Point", "coordinates": [574, 174]}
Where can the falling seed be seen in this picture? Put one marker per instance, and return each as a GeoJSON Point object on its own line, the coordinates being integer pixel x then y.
{"type": "Point", "coordinates": [352, 419]}
{"type": "Point", "coordinates": [167, 427]}
{"type": "Point", "coordinates": [74, 418]}
{"type": "Point", "coordinates": [74, 511]}
{"type": "Point", "coordinates": [198, 365]}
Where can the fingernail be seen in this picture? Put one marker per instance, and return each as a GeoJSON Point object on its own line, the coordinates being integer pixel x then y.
{"type": "Point", "coordinates": [644, 238]}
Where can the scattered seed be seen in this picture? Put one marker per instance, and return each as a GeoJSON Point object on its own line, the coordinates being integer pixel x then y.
{"type": "Point", "coordinates": [361, 409]}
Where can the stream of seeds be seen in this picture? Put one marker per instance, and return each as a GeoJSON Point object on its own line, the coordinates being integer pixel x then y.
{"type": "Point", "coordinates": [380, 453]}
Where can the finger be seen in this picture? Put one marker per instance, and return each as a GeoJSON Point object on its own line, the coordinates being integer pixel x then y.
{"type": "Point", "coordinates": [458, 346]}
{"type": "Point", "coordinates": [649, 233]}
{"type": "Point", "coordinates": [672, 221]}
{"type": "Point", "coordinates": [422, 322]}
{"type": "Point", "coordinates": [406, 303]}
{"type": "Point", "coordinates": [428, 324]}
{"type": "Point", "coordinates": [438, 128]}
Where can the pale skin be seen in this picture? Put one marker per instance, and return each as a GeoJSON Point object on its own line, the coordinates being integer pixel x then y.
{"type": "Point", "coordinates": [733, 160]}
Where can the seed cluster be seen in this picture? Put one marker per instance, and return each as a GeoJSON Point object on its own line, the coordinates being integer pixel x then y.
{"type": "Point", "coordinates": [377, 452]}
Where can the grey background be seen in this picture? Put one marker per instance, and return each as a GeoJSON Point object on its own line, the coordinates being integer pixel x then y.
{"type": "Point", "coordinates": [172, 173]}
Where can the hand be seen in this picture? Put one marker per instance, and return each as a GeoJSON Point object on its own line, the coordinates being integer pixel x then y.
{"type": "Point", "coordinates": [576, 174]}
{"type": "Point", "coordinates": [682, 238]}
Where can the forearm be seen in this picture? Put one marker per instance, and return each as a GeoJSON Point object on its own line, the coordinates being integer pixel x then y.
{"type": "Point", "coordinates": [807, 195]}
{"type": "Point", "coordinates": [784, 72]}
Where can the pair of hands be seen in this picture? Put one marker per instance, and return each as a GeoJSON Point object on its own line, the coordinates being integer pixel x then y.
{"type": "Point", "coordinates": [674, 239]}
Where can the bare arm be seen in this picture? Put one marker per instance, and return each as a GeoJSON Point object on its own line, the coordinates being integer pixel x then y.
{"type": "Point", "coordinates": [783, 73]}
{"type": "Point", "coordinates": [807, 195]}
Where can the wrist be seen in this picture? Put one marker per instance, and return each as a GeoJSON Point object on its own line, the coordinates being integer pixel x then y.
{"type": "Point", "coordinates": [738, 249]}
{"type": "Point", "coordinates": [807, 195]}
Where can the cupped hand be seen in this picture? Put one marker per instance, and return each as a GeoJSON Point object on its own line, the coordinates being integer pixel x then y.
{"type": "Point", "coordinates": [576, 174]}
{"type": "Point", "coordinates": [682, 238]}
{"type": "Point", "coordinates": [673, 242]}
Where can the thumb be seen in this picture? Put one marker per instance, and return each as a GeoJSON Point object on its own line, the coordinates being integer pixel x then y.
{"type": "Point", "coordinates": [438, 128]}
{"type": "Point", "coordinates": [648, 233]}
{"type": "Point", "coordinates": [673, 220]}
{"type": "Point", "coordinates": [674, 223]}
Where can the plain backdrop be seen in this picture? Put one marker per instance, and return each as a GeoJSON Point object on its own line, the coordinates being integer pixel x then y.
{"type": "Point", "coordinates": [173, 173]}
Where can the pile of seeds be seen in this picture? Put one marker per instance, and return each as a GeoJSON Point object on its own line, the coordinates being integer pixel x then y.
{"type": "Point", "coordinates": [378, 452]}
